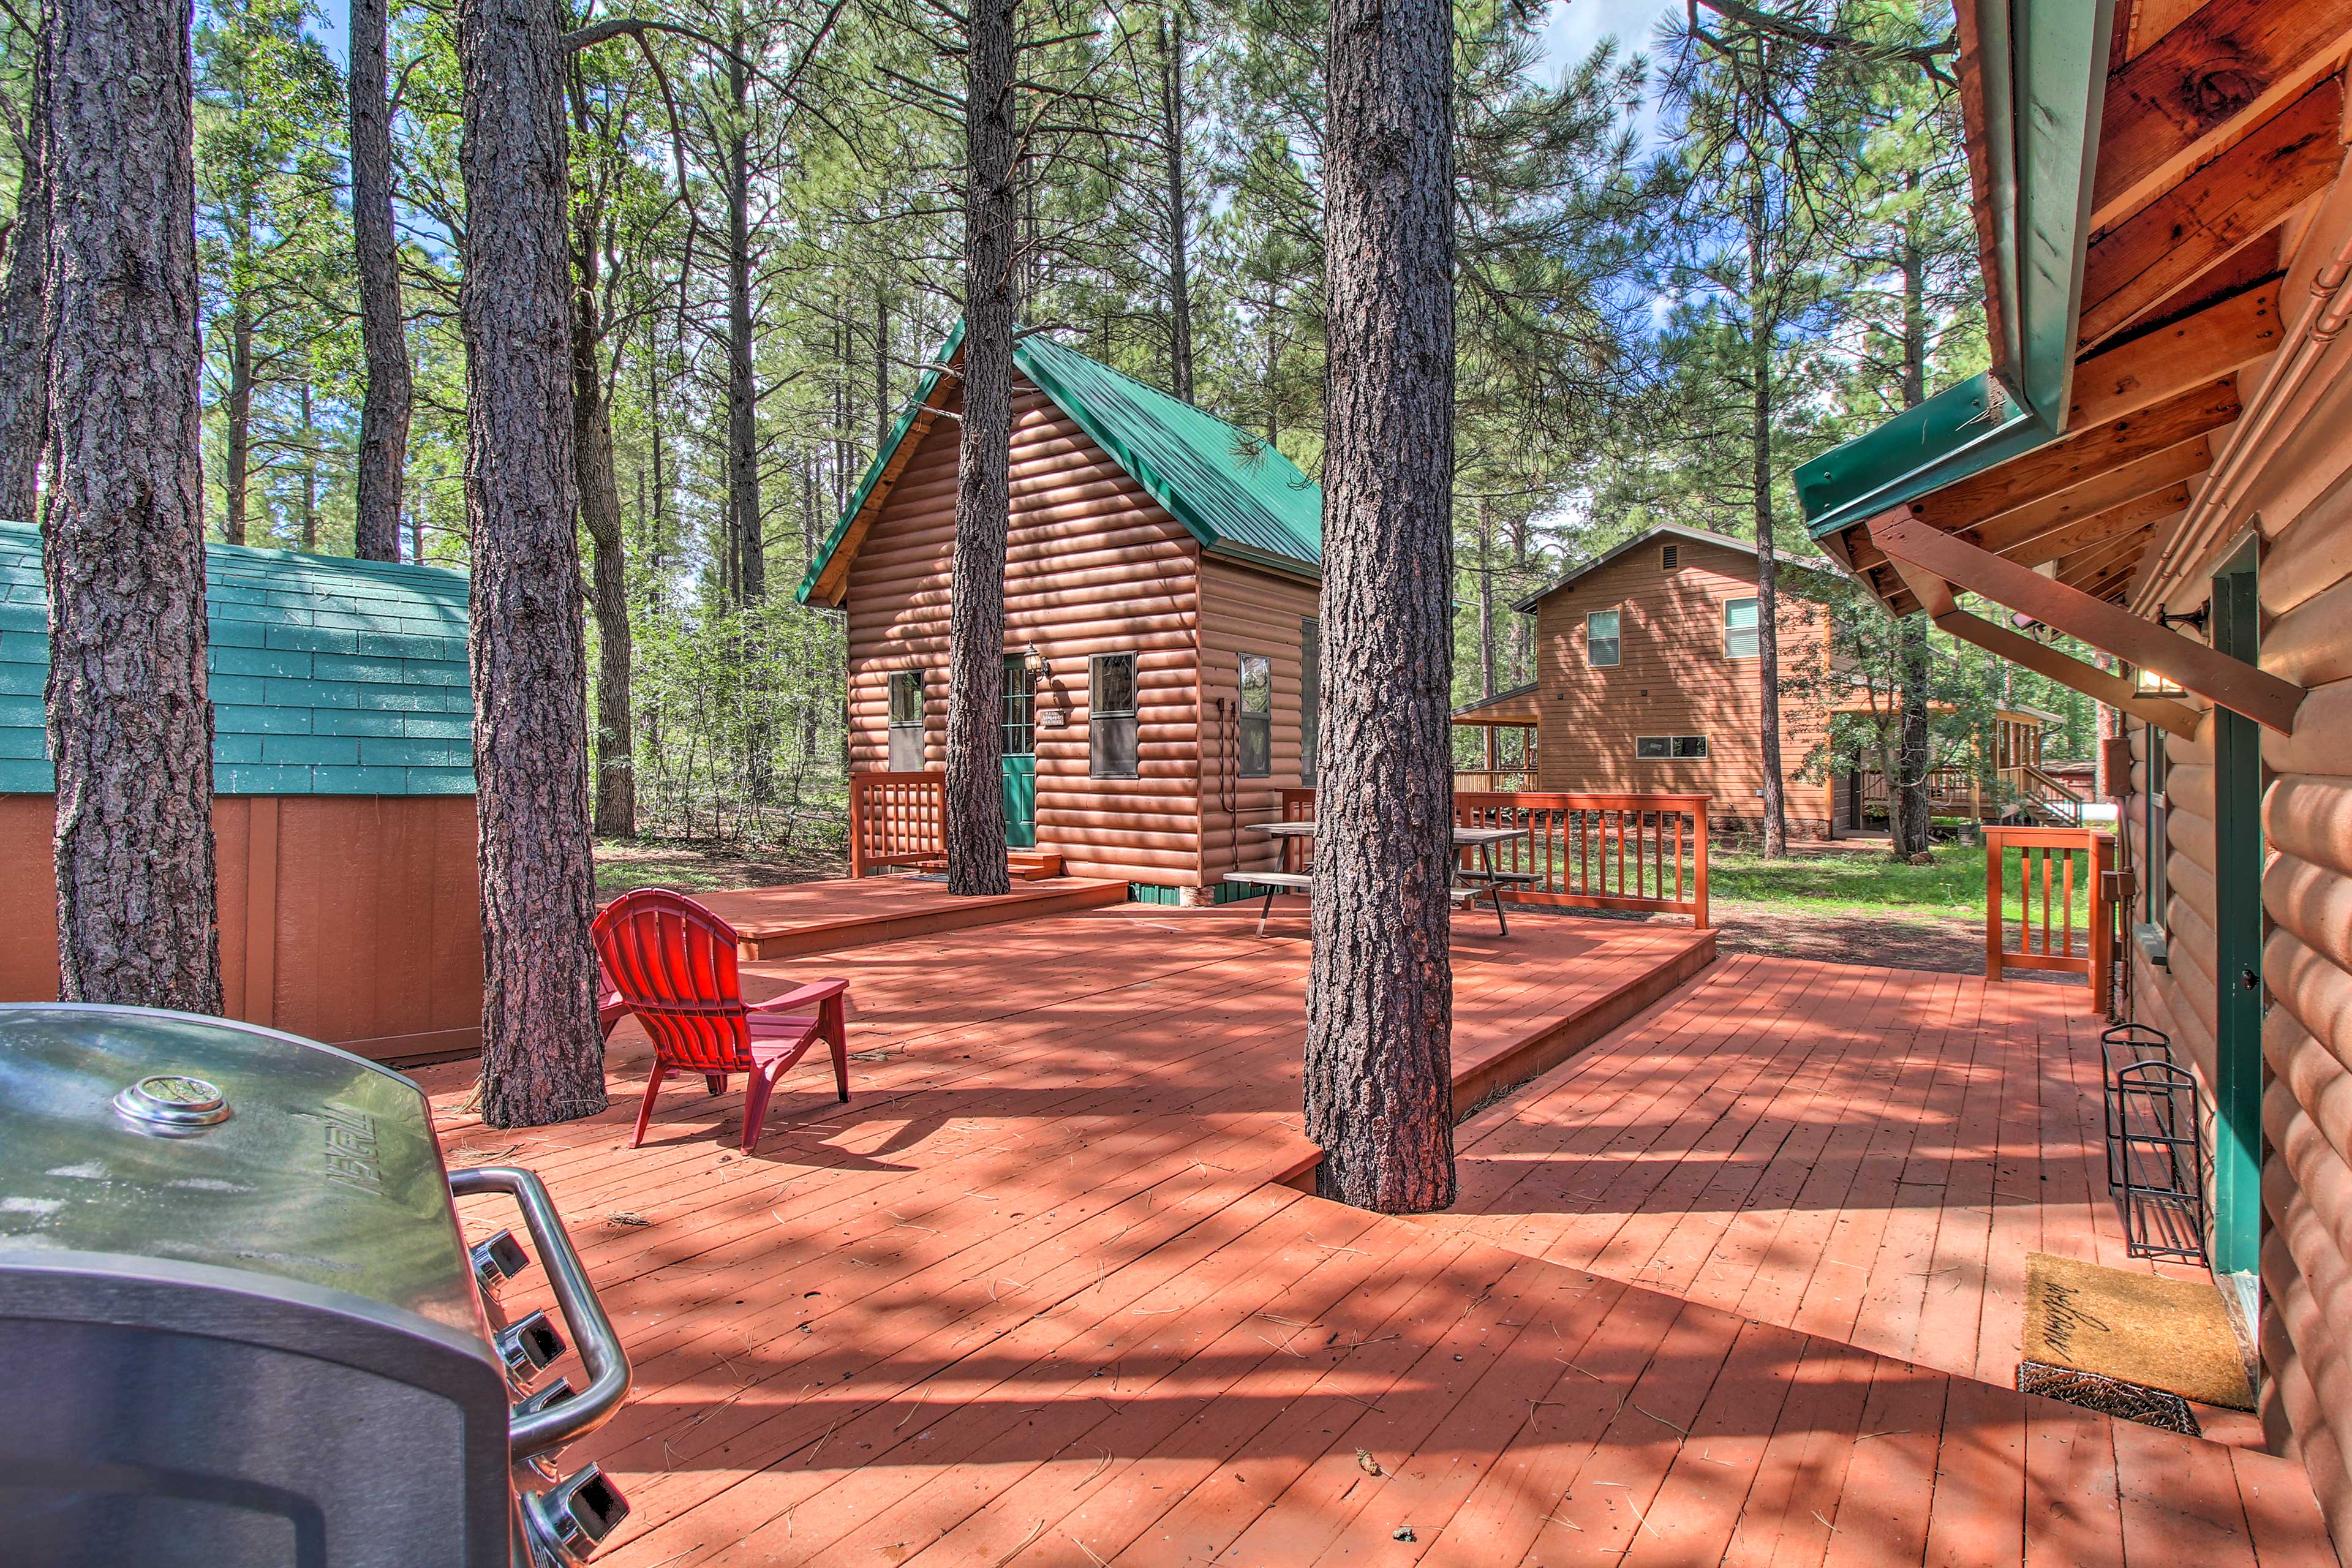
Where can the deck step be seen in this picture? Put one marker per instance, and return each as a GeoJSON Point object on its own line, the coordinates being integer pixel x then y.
{"type": "Point", "coordinates": [1032, 865]}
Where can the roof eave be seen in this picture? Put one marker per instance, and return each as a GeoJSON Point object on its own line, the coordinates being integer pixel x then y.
{"type": "Point", "coordinates": [2035, 71]}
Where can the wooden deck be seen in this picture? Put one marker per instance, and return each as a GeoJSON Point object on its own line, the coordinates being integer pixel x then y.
{"type": "Point", "coordinates": [1030, 1299]}
{"type": "Point", "coordinates": [803, 917]}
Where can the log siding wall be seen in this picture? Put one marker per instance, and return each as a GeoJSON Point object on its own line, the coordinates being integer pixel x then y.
{"type": "Point", "coordinates": [1093, 565]}
{"type": "Point", "coordinates": [2300, 499]}
{"type": "Point", "coordinates": [1672, 679]}
{"type": "Point", "coordinates": [1244, 611]}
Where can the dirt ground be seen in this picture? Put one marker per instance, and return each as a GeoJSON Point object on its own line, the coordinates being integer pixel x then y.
{"type": "Point", "coordinates": [625, 863]}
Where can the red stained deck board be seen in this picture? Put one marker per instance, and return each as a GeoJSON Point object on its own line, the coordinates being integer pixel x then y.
{"type": "Point", "coordinates": [1048, 1278]}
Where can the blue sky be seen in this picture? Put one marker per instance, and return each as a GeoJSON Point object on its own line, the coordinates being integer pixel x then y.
{"type": "Point", "coordinates": [1570, 29]}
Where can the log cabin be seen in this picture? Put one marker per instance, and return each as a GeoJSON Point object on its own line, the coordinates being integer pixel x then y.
{"type": "Point", "coordinates": [2158, 463]}
{"type": "Point", "coordinates": [1162, 577]}
{"type": "Point", "coordinates": [1647, 681]}
{"type": "Point", "coordinates": [343, 804]}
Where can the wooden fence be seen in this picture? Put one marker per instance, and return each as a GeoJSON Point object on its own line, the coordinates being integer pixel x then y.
{"type": "Point", "coordinates": [2054, 865]}
{"type": "Point", "coordinates": [895, 819]}
{"type": "Point", "coordinates": [1585, 851]}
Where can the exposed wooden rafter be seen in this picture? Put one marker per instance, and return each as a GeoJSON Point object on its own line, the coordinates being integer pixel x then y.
{"type": "Point", "coordinates": [2180, 101]}
{"type": "Point", "coordinates": [2166, 361]}
{"type": "Point", "coordinates": [2025, 534]}
{"type": "Point", "coordinates": [2085, 455]}
{"type": "Point", "coordinates": [1932, 562]}
{"type": "Point", "coordinates": [2134, 267]}
{"type": "Point", "coordinates": [2089, 532]}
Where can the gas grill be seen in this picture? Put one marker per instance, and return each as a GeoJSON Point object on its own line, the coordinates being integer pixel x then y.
{"type": "Point", "coordinates": [240, 1324]}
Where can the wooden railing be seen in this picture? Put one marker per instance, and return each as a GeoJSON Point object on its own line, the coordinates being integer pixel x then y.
{"type": "Point", "coordinates": [1584, 850]}
{"type": "Point", "coordinates": [1959, 792]}
{"type": "Point", "coordinates": [1486, 781]}
{"type": "Point", "coordinates": [2055, 866]}
{"type": "Point", "coordinates": [895, 819]}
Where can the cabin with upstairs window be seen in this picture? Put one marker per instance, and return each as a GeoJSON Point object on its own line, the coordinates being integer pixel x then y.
{"type": "Point", "coordinates": [343, 796]}
{"type": "Point", "coordinates": [1162, 577]}
{"type": "Point", "coordinates": [1647, 681]}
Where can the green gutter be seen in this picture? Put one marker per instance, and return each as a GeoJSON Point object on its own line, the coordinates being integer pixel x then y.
{"type": "Point", "coordinates": [2040, 68]}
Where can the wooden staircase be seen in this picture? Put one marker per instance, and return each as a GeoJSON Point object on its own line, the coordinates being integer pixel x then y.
{"type": "Point", "coordinates": [1032, 865]}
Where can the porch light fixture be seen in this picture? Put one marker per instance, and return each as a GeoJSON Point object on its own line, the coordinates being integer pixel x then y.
{"type": "Point", "coordinates": [2153, 685]}
{"type": "Point", "coordinates": [1038, 669]}
{"type": "Point", "coordinates": [2195, 617]}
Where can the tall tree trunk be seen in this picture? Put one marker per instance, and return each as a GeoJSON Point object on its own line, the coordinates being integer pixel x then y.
{"type": "Point", "coordinates": [309, 473]}
{"type": "Point", "coordinates": [383, 409]}
{"type": "Point", "coordinates": [1180, 282]}
{"type": "Point", "coordinates": [608, 590]}
{"type": "Point", "coordinates": [881, 371]}
{"type": "Point", "coordinates": [238, 419]}
{"type": "Point", "coordinates": [1768, 591]}
{"type": "Point", "coordinates": [1487, 687]}
{"type": "Point", "coordinates": [1913, 822]}
{"type": "Point", "coordinates": [129, 723]}
{"type": "Point", "coordinates": [23, 331]}
{"type": "Point", "coordinates": [992, 207]}
{"type": "Point", "coordinates": [743, 396]}
{"type": "Point", "coordinates": [541, 1058]}
{"type": "Point", "coordinates": [1380, 1001]}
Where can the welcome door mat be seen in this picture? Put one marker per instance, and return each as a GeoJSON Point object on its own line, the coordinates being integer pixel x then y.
{"type": "Point", "coordinates": [2171, 1334]}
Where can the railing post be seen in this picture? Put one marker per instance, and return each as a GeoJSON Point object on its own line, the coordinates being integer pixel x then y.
{"type": "Point", "coordinates": [1698, 814]}
{"type": "Point", "coordinates": [858, 809]}
{"type": "Point", "coordinates": [1992, 904]}
{"type": "Point", "coordinates": [2102, 975]}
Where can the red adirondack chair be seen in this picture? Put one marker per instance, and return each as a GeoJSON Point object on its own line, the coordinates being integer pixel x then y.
{"type": "Point", "coordinates": [673, 965]}
{"type": "Point", "coordinates": [611, 1005]}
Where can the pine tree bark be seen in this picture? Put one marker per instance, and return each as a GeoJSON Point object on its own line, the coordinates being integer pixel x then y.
{"type": "Point", "coordinates": [23, 331]}
{"type": "Point", "coordinates": [608, 590]}
{"type": "Point", "coordinates": [1912, 819]}
{"type": "Point", "coordinates": [1767, 590]}
{"type": "Point", "coordinates": [743, 394]}
{"type": "Point", "coordinates": [309, 473]}
{"type": "Point", "coordinates": [1180, 282]}
{"type": "Point", "coordinates": [383, 408]}
{"type": "Point", "coordinates": [541, 1058]}
{"type": "Point", "coordinates": [129, 724]}
{"type": "Point", "coordinates": [1378, 1077]}
{"type": "Point", "coordinates": [237, 422]}
{"type": "Point", "coordinates": [974, 784]}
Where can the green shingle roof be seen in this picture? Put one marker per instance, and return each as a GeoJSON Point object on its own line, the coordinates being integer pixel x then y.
{"type": "Point", "coordinates": [328, 676]}
{"type": "Point", "coordinates": [1232, 492]}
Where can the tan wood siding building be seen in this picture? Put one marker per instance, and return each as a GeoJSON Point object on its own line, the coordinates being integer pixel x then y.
{"type": "Point", "coordinates": [1681, 670]}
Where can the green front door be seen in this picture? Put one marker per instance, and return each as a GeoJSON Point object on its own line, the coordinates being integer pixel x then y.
{"type": "Point", "coordinates": [2237, 939]}
{"type": "Point", "coordinates": [1020, 754]}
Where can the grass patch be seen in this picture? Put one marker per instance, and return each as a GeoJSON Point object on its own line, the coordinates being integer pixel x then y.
{"type": "Point", "coordinates": [1872, 883]}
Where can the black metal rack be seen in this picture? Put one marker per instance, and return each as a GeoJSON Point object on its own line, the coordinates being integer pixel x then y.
{"type": "Point", "coordinates": [2156, 1150]}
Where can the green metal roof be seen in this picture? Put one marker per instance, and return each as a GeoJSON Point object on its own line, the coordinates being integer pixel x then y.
{"type": "Point", "coordinates": [1235, 494]}
{"type": "Point", "coordinates": [327, 675]}
{"type": "Point", "coordinates": [2038, 70]}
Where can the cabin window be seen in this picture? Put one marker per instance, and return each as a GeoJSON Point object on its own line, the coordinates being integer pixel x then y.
{"type": "Point", "coordinates": [1110, 717]}
{"type": "Point", "coordinates": [1257, 716]}
{"type": "Point", "coordinates": [907, 721]}
{"type": "Point", "coordinates": [1670, 556]}
{"type": "Point", "coordinates": [1739, 628]}
{"type": "Point", "coordinates": [1601, 639]}
{"type": "Point", "coordinates": [1667, 748]}
{"type": "Point", "coordinates": [1019, 707]}
{"type": "Point", "coordinates": [1310, 694]}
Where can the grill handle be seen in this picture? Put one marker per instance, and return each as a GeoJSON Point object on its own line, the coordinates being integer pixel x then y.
{"type": "Point", "coordinates": [592, 1331]}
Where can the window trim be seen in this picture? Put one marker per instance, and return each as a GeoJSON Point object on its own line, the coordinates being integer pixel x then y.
{"type": "Point", "coordinates": [1616, 640]}
{"type": "Point", "coordinates": [1755, 629]}
{"type": "Point", "coordinates": [1246, 721]}
{"type": "Point", "coordinates": [1099, 716]}
{"type": "Point", "coordinates": [1673, 752]}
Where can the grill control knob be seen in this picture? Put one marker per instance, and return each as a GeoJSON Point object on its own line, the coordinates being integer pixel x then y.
{"type": "Point", "coordinates": [527, 1346]}
{"type": "Point", "coordinates": [571, 1519]}
{"type": "Point", "coordinates": [498, 1260]}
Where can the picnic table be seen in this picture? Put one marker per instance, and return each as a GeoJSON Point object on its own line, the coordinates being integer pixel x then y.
{"type": "Point", "coordinates": [1470, 883]}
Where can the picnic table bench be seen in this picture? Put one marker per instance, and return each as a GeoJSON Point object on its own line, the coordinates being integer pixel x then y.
{"type": "Point", "coordinates": [1470, 883]}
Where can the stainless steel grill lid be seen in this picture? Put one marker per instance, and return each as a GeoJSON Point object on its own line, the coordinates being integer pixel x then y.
{"type": "Point", "coordinates": [152, 1134]}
